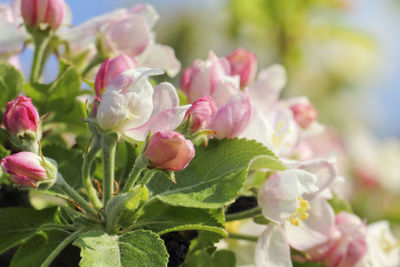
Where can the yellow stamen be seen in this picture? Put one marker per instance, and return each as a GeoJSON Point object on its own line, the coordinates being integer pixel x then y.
{"type": "Point", "coordinates": [301, 212]}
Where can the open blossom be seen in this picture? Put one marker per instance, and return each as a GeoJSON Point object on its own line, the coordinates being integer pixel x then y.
{"type": "Point", "coordinates": [281, 196]}
{"type": "Point", "coordinates": [132, 107]}
{"type": "Point", "coordinates": [383, 248]}
{"type": "Point", "coordinates": [50, 12]}
{"type": "Point", "coordinates": [20, 116]}
{"type": "Point", "coordinates": [201, 113]}
{"type": "Point", "coordinates": [169, 150]}
{"type": "Point", "coordinates": [127, 32]}
{"type": "Point", "coordinates": [110, 69]}
{"type": "Point", "coordinates": [26, 168]}
{"type": "Point", "coordinates": [244, 64]}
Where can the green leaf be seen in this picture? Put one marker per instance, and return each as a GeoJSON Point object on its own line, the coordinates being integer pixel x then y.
{"type": "Point", "coordinates": [137, 248]}
{"type": "Point", "coordinates": [214, 176]}
{"type": "Point", "coordinates": [11, 81]}
{"type": "Point", "coordinates": [69, 163]}
{"type": "Point", "coordinates": [37, 249]}
{"type": "Point", "coordinates": [339, 204]}
{"type": "Point", "coordinates": [220, 258]}
{"type": "Point", "coordinates": [19, 224]}
{"type": "Point", "coordinates": [163, 218]}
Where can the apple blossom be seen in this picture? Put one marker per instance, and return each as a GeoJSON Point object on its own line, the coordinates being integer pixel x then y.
{"type": "Point", "coordinates": [127, 32]}
{"type": "Point", "coordinates": [201, 113]}
{"type": "Point", "coordinates": [203, 77]}
{"type": "Point", "coordinates": [383, 248]}
{"type": "Point", "coordinates": [127, 100]}
{"type": "Point", "coordinates": [131, 107]}
{"type": "Point", "coordinates": [232, 119]}
{"type": "Point", "coordinates": [169, 150]}
{"type": "Point", "coordinates": [21, 116]}
{"type": "Point", "coordinates": [281, 196]}
{"type": "Point", "coordinates": [27, 168]}
{"type": "Point", "coordinates": [36, 12]}
{"type": "Point", "coordinates": [110, 69]}
{"type": "Point", "coordinates": [244, 64]}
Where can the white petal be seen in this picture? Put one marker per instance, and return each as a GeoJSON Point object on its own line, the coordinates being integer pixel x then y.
{"type": "Point", "coordinates": [146, 11]}
{"type": "Point", "coordinates": [266, 89]}
{"type": "Point", "coordinates": [164, 97]}
{"type": "Point", "coordinates": [278, 196]}
{"type": "Point", "coordinates": [315, 229]}
{"type": "Point", "coordinates": [272, 250]}
{"type": "Point", "coordinates": [165, 120]}
{"type": "Point", "coordinates": [11, 38]}
{"type": "Point", "coordinates": [322, 168]}
{"type": "Point", "coordinates": [112, 110]}
{"type": "Point", "coordinates": [161, 57]}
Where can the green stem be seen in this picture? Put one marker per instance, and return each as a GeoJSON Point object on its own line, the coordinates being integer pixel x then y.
{"type": "Point", "coordinates": [93, 63]}
{"type": "Point", "coordinates": [64, 187]}
{"type": "Point", "coordinates": [109, 145]}
{"type": "Point", "coordinates": [60, 247]}
{"type": "Point", "coordinates": [86, 179]}
{"type": "Point", "coordinates": [243, 215]}
{"type": "Point", "coordinates": [146, 177]}
{"type": "Point", "coordinates": [134, 174]}
{"type": "Point", "coordinates": [41, 41]}
{"type": "Point", "coordinates": [243, 237]}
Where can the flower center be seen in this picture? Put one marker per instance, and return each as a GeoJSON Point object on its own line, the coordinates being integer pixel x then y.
{"type": "Point", "coordinates": [301, 213]}
{"type": "Point", "coordinates": [387, 245]}
{"type": "Point", "coordinates": [279, 134]}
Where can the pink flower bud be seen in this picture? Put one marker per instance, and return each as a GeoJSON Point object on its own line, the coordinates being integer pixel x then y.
{"type": "Point", "coordinates": [304, 114]}
{"type": "Point", "coordinates": [169, 150]}
{"type": "Point", "coordinates": [232, 118]}
{"type": "Point", "coordinates": [201, 112]}
{"type": "Point", "coordinates": [50, 12]}
{"type": "Point", "coordinates": [204, 76]}
{"type": "Point", "coordinates": [244, 64]}
{"type": "Point", "coordinates": [110, 69]}
{"type": "Point", "coordinates": [21, 115]}
{"type": "Point", "coordinates": [24, 168]}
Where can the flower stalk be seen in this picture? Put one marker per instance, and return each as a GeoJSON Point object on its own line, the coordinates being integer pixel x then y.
{"type": "Point", "coordinates": [86, 179]}
{"type": "Point", "coordinates": [109, 145]}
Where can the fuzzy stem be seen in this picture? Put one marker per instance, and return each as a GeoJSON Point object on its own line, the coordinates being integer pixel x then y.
{"type": "Point", "coordinates": [60, 247]}
{"type": "Point", "coordinates": [243, 215]}
{"type": "Point", "coordinates": [87, 164]}
{"type": "Point", "coordinates": [134, 174]}
{"type": "Point", "coordinates": [146, 177]}
{"type": "Point", "coordinates": [64, 187]}
{"type": "Point", "coordinates": [109, 145]}
{"type": "Point", "coordinates": [41, 41]}
{"type": "Point", "coordinates": [243, 237]}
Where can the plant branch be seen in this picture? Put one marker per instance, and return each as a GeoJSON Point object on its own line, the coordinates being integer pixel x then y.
{"type": "Point", "coordinates": [109, 144]}
{"type": "Point", "coordinates": [69, 191]}
{"type": "Point", "coordinates": [243, 237]}
{"type": "Point", "coordinates": [60, 247]}
{"type": "Point", "coordinates": [86, 179]}
{"type": "Point", "coordinates": [243, 215]}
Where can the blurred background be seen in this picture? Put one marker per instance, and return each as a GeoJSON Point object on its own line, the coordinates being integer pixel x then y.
{"type": "Point", "coordinates": [342, 54]}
